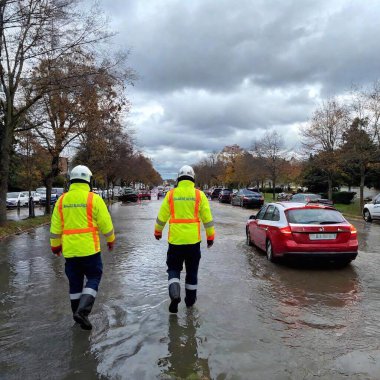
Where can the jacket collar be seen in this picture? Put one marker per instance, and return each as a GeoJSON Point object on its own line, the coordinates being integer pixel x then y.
{"type": "Point", "coordinates": [186, 183]}
{"type": "Point", "coordinates": [79, 186]}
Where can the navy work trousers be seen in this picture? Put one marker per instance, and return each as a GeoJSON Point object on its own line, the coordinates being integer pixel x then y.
{"type": "Point", "coordinates": [190, 254]}
{"type": "Point", "coordinates": [77, 268]}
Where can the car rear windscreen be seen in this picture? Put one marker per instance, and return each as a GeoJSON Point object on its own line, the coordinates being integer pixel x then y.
{"type": "Point", "coordinates": [314, 216]}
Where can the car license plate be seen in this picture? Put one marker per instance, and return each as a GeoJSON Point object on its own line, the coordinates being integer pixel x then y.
{"type": "Point", "coordinates": [322, 236]}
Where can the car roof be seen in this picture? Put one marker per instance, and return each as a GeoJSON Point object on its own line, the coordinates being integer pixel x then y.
{"type": "Point", "coordinates": [294, 205]}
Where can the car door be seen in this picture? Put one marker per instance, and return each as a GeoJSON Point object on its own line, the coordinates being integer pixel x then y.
{"type": "Point", "coordinates": [376, 207]}
{"type": "Point", "coordinates": [255, 230]}
{"type": "Point", "coordinates": [264, 225]}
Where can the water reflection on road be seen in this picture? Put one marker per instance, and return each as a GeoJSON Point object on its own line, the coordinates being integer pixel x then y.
{"type": "Point", "coordinates": [253, 319]}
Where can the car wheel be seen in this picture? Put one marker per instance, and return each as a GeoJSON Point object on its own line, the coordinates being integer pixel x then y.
{"type": "Point", "coordinates": [367, 216]}
{"type": "Point", "coordinates": [249, 241]}
{"type": "Point", "coordinates": [269, 252]}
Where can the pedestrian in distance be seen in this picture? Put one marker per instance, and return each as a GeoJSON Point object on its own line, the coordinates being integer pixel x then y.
{"type": "Point", "coordinates": [185, 208]}
{"type": "Point", "coordinates": [78, 217]}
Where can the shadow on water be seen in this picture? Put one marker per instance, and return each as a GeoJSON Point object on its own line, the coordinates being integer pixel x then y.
{"type": "Point", "coordinates": [183, 360]}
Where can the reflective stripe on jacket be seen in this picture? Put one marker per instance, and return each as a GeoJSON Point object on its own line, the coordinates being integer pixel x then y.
{"type": "Point", "coordinates": [77, 218]}
{"type": "Point", "coordinates": [185, 207]}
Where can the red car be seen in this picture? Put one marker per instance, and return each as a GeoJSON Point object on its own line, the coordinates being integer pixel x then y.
{"type": "Point", "coordinates": [287, 229]}
{"type": "Point", "coordinates": [144, 194]}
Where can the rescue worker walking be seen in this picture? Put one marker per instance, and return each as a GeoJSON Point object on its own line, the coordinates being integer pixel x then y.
{"type": "Point", "coordinates": [77, 218]}
{"type": "Point", "coordinates": [184, 207]}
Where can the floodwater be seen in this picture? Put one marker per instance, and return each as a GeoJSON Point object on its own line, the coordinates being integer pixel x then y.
{"type": "Point", "coordinates": [253, 319]}
{"type": "Point", "coordinates": [23, 212]}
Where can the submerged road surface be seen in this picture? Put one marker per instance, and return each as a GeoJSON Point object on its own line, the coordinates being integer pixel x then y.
{"type": "Point", "coordinates": [253, 319]}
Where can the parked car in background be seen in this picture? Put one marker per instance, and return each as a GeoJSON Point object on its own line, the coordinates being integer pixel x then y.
{"type": "Point", "coordinates": [17, 199]}
{"type": "Point", "coordinates": [284, 196]}
{"type": "Point", "coordinates": [128, 195]}
{"type": "Point", "coordinates": [308, 197]}
{"type": "Point", "coordinates": [36, 196]}
{"type": "Point", "coordinates": [56, 192]}
{"type": "Point", "coordinates": [41, 191]}
{"type": "Point", "coordinates": [144, 194]}
{"type": "Point", "coordinates": [247, 198]}
{"type": "Point", "coordinates": [225, 196]}
{"type": "Point", "coordinates": [215, 193]}
{"type": "Point", "coordinates": [371, 210]}
{"type": "Point", "coordinates": [302, 230]}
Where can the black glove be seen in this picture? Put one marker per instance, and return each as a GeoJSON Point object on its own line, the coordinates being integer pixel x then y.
{"type": "Point", "coordinates": [210, 243]}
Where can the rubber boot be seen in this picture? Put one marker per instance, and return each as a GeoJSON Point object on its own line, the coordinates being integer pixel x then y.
{"type": "Point", "coordinates": [175, 296]}
{"type": "Point", "coordinates": [74, 305]}
{"type": "Point", "coordinates": [86, 303]}
{"type": "Point", "coordinates": [191, 297]}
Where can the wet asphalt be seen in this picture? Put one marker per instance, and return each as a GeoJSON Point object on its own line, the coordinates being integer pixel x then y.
{"type": "Point", "coordinates": [253, 319]}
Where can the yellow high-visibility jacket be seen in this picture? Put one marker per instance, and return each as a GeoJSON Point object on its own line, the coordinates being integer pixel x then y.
{"type": "Point", "coordinates": [185, 207]}
{"type": "Point", "coordinates": [77, 218]}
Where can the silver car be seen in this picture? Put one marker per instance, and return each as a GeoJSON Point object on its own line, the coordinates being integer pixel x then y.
{"type": "Point", "coordinates": [17, 199]}
{"type": "Point", "coordinates": [372, 210]}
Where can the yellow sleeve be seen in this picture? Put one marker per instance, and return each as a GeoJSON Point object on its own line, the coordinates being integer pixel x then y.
{"type": "Point", "coordinates": [163, 215]}
{"type": "Point", "coordinates": [56, 227]}
{"type": "Point", "coordinates": [103, 219]}
{"type": "Point", "coordinates": [206, 217]}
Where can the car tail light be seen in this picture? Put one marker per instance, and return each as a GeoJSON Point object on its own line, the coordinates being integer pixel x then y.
{"type": "Point", "coordinates": [286, 230]}
{"type": "Point", "coordinates": [353, 230]}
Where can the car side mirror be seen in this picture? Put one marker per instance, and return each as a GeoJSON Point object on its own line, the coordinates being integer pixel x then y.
{"type": "Point", "coordinates": [252, 217]}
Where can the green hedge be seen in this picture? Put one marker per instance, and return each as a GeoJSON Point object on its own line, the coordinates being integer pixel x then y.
{"type": "Point", "coordinates": [343, 197]}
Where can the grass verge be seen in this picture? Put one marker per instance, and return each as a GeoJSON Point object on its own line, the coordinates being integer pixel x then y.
{"type": "Point", "coordinates": [13, 227]}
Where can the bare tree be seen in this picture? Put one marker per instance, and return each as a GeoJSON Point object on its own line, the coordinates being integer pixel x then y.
{"type": "Point", "coordinates": [271, 150]}
{"type": "Point", "coordinates": [323, 136]}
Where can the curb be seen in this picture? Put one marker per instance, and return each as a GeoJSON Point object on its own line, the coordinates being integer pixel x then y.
{"type": "Point", "coordinates": [21, 231]}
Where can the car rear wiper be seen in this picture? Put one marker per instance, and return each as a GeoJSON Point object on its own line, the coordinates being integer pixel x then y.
{"type": "Point", "coordinates": [330, 222]}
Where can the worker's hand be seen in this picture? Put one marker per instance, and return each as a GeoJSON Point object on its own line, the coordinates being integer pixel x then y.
{"type": "Point", "coordinates": [210, 243]}
{"type": "Point", "coordinates": [110, 245]}
{"type": "Point", "coordinates": [158, 235]}
{"type": "Point", "coordinates": [57, 250]}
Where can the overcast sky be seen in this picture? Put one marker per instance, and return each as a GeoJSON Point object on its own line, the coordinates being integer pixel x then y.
{"type": "Point", "coordinates": [217, 72]}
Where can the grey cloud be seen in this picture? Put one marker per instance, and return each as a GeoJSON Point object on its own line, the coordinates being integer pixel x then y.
{"type": "Point", "coordinates": [224, 72]}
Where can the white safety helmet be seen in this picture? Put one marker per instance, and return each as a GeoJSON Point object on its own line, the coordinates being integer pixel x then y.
{"type": "Point", "coordinates": [81, 172]}
{"type": "Point", "coordinates": [186, 171]}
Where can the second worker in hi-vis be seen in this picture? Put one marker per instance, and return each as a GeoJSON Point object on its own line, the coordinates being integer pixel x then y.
{"type": "Point", "coordinates": [185, 208]}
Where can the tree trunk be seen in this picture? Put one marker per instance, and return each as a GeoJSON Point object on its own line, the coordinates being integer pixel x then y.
{"type": "Point", "coordinates": [6, 132]}
{"type": "Point", "coordinates": [49, 182]}
{"type": "Point", "coordinates": [362, 178]}
{"type": "Point", "coordinates": [330, 182]}
{"type": "Point", "coordinates": [274, 188]}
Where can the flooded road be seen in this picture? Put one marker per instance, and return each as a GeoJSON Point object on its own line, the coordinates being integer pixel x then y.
{"type": "Point", "coordinates": [253, 319]}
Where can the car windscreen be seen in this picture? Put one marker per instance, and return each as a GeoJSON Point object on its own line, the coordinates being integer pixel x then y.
{"type": "Point", "coordinates": [41, 190]}
{"type": "Point", "coordinates": [314, 216]}
{"type": "Point", "coordinates": [12, 195]}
